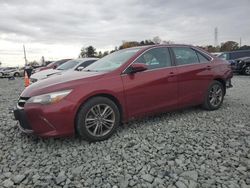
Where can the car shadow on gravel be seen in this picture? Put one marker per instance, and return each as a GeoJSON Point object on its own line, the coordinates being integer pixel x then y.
{"type": "Point", "coordinates": [125, 128]}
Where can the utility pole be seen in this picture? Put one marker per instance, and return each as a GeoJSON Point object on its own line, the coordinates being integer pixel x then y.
{"type": "Point", "coordinates": [216, 36]}
{"type": "Point", "coordinates": [240, 41]}
{"type": "Point", "coordinates": [25, 59]}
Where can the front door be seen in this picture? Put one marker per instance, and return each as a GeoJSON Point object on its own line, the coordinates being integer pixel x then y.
{"type": "Point", "coordinates": [153, 90]}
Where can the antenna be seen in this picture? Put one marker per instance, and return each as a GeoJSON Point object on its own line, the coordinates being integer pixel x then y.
{"type": "Point", "coordinates": [216, 36]}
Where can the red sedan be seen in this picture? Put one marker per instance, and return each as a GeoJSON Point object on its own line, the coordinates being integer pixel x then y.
{"type": "Point", "coordinates": [129, 83]}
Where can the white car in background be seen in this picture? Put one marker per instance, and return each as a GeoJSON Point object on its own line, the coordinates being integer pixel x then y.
{"type": "Point", "coordinates": [11, 72]}
{"type": "Point", "coordinates": [75, 64]}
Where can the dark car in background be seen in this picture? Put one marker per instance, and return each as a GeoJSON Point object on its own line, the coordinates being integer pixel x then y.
{"type": "Point", "coordinates": [237, 61]}
{"type": "Point", "coordinates": [242, 65]}
{"type": "Point", "coordinates": [126, 84]}
{"type": "Point", "coordinates": [52, 65]}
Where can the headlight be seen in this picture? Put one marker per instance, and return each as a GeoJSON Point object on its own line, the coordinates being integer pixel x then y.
{"type": "Point", "coordinates": [49, 98]}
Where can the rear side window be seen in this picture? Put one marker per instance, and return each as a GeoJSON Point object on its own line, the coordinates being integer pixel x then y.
{"type": "Point", "coordinates": [185, 56]}
{"type": "Point", "coordinates": [155, 58]}
{"type": "Point", "coordinates": [202, 58]}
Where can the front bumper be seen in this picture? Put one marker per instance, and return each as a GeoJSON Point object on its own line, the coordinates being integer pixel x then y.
{"type": "Point", "coordinates": [24, 125]}
{"type": "Point", "coordinates": [55, 120]}
{"type": "Point", "coordinates": [7, 75]}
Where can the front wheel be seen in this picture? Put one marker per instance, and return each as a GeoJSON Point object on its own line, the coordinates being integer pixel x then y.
{"type": "Point", "coordinates": [16, 74]}
{"type": "Point", "coordinates": [214, 96]}
{"type": "Point", "coordinates": [97, 119]}
{"type": "Point", "coordinates": [247, 70]}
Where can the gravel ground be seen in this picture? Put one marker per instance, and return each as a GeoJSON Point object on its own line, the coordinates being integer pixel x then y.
{"type": "Point", "coordinates": [187, 148]}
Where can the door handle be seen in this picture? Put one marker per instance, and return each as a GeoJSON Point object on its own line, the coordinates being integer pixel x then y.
{"type": "Point", "coordinates": [171, 74]}
{"type": "Point", "coordinates": [208, 67]}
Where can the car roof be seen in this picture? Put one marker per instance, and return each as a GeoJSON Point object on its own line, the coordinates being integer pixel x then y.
{"type": "Point", "coordinates": [161, 45]}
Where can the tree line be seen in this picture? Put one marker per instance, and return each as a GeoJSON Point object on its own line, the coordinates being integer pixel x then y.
{"type": "Point", "coordinates": [90, 51]}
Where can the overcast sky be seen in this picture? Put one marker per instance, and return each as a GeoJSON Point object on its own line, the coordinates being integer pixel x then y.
{"type": "Point", "coordinates": [59, 28]}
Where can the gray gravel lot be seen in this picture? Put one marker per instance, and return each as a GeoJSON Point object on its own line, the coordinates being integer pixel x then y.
{"type": "Point", "coordinates": [187, 148]}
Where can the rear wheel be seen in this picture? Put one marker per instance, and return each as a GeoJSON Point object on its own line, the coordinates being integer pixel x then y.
{"type": "Point", "coordinates": [214, 96]}
{"type": "Point", "coordinates": [97, 119]}
{"type": "Point", "coordinates": [247, 70]}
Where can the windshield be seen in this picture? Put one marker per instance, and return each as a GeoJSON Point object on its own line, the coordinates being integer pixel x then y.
{"type": "Point", "coordinates": [112, 61]}
{"type": "Point", "coordinates": [68, 65]}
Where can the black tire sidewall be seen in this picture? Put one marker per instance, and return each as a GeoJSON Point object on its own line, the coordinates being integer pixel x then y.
{"type": "Point", "coordinates": [16, 74]}
{"type": "Point", "coordinates": [207, 104]}
{"type": "Point", "coordinates": [81, 115]}
{"type": "Point", "coordinates": [245, 70]}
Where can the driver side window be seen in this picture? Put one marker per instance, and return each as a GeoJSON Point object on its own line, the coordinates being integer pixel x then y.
{"type": "Point", "coordinates": [155, 58]}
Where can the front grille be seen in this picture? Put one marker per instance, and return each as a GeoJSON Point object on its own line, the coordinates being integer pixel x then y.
{"type": "Point", "coordinates": [22, 101]}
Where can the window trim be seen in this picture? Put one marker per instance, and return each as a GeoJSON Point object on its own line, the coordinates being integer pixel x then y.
{"type": "Point", "coordinates": [170, 55]}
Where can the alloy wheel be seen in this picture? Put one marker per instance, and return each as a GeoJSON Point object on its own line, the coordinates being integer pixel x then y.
{"type": "Point", "coordinates": [100, 120]}
{"type": "Point", "coordinates": [215, 95]}
{"type": "Point", "coordinates": [247, 70]}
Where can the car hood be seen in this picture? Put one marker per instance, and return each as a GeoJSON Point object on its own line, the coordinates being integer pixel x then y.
{"type": "Point", "coordinates": [45, 74]}
{"type": "Point", "coordinates": [64, 80]}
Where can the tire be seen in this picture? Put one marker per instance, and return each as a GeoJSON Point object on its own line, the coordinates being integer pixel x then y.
{"type": "Point", "coordinates": [1, 74]}
{"type": "Point", "coordinates": [16, 74]}
{"type": "Point", "coordinates": [247, 70]}
{"type": "Point", "coordinates": [91, 123]}
{"type": "Point", "coordinates": [214, 96]}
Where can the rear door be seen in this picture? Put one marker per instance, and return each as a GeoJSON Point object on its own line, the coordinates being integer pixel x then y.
{"type": "Point", "coordinates": [153, 90]}
{"type": "Point", "coordinates": [194, 75]}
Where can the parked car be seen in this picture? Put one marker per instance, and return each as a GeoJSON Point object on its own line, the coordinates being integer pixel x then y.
{"type": "Point", "coordinates": [11, 72]}
{"type": "Point", "coordinates": [126, 84]}
{"type": "Point", "coordinates": [234, 55]}
{"type": "Point", "coordinates": [76, 64]}
{"type": "Point", "coordinates": [52, 65]}
{"type": "Point", "coordinates": [242, 65]}
{"type": "Point", "coordinates": [232, 58]}
{"type": "Point", "coordinates": [216, 53]}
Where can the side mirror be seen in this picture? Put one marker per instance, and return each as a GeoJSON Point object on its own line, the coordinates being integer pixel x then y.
{"type": "Point", "coordinates": [80, 68]}
{"type": "Point", "coordinates": [137, 67]}
{"type": "Point", "coordinates": [55, 66]}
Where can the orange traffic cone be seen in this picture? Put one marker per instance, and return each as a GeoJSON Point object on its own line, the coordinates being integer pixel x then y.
{"type": "Point", "coordinates": [26, 80]}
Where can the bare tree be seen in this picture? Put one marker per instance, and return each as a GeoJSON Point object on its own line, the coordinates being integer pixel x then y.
{"type": "Point", "coordinates": [157, 40]}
